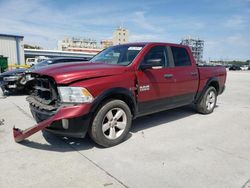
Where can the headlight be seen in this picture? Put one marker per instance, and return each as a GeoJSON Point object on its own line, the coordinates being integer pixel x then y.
{"type": "Point", "coordinates": [75, 95]}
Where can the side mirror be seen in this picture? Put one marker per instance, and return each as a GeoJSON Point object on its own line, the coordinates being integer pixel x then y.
{"type": "Point", "coordinates": [150, 63]}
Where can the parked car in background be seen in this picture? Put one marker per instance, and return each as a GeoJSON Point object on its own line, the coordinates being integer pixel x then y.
{"type": "Point", "coordinates": [244, 67]}
{"type": "Point", "coordinates": [34, 61]}
{"type": "Point", "coordinates": [15, 80]}
{"type": "Point", "coordinates": [9, 80]}
{"type": "Point", "coordinates": [235, 67]}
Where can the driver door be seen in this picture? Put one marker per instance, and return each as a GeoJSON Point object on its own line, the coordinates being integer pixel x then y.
{"type": "Point", "coordinates": [154, 86]}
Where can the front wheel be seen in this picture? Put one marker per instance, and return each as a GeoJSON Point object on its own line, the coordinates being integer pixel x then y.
{"type": "Point", "coordinates": [111, 123]}
{"type": "Point", "coordinates": [208, 101]}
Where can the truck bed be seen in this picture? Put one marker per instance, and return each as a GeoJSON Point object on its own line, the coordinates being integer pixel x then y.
{"type": "Point", "coordinates": [208, 72]}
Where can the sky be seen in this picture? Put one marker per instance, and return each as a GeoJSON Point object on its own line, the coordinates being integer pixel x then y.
{"type": "Point", "coordinates": [224, 25]}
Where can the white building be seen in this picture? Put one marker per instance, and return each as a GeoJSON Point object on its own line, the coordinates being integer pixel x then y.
{"type": "Point", "coordinates": [120, 36]}
{"type": "Point", "coordinates": [196, 46]}
{"type": "Point", "coordinates": [11, 46]}
{"type": "Point", "coordinates": [73, 42]}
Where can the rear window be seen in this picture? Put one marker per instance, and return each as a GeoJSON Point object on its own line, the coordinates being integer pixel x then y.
{"type": "Point", "coordinates": [181, 57]}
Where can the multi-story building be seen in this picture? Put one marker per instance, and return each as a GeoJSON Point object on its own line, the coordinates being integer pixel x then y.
{"type": "Point", "coordinates": [196, 46]}
{"type": "Point", "coordinates": [120, 36]}
{"type": "Point", "coordinates": [79, 44]}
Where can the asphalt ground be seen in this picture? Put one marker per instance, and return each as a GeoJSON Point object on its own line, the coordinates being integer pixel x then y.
{"type": "Point", "coordinates": [175, 148]}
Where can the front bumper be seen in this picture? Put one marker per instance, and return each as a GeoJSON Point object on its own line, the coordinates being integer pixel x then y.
{"type": "Point", "coordinates": [11, 83]}
{"type": "Point", "coordinates": [72, 113]}
{"type": "Point", "coordinates": [11, 78]}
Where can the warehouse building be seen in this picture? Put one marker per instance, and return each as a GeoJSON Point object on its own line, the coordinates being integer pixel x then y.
{"type": "Point", "coordinates": [11, 46]}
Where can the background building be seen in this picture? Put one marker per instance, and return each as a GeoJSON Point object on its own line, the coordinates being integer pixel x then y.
{"type": "Point", "coordinates": [196, 46]}
{"type": "Point", "coordinates": [79, 45]}
{"type": "Point", "coordinates": [87, 45]}
{"type": "Point", "coordinates": [11, 46]}
{"type": "Point", "coordinates": [106, 43]}
{"type": "Point", "coordinates": [120, 36]}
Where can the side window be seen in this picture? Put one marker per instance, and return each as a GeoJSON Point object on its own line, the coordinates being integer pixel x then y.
{"type": "Point", "coordinates": [157, 53]}
{"type": "Point", "coordinates": [181, 57]}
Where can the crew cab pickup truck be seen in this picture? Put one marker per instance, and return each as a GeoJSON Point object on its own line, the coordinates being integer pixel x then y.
{"type": "Point", "coordinates": [119, 84]}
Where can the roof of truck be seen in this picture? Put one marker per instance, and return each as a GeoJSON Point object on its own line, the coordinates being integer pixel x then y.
{"type": "Point", "coordinates": [157, 43]}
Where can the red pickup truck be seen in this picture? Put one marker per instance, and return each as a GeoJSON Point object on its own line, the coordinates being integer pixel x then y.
{"type": "Point", "coordinates": [119, 84]}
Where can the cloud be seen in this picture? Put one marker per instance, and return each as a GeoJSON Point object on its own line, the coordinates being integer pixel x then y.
{"type": "Point", "coordinates": [235, 22]}
{"type": "Point", "coordinates": [141, 21]}
{"type": "Point", "coordinates": [228, 48]}
{"type": "Point", "coordinates": [238, 40]}
{"type": "Point", "coordinates": [144, 37]}
{"type": "Point", "coordinates": [225, 28]}
{"type": "Point", "coordinates": [43, 24]}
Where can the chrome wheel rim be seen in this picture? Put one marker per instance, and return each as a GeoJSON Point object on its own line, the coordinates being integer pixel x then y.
{"type": "Point", "coordinates": [114, 123]}
{"type": "Point", "coordinates": [210, 101]}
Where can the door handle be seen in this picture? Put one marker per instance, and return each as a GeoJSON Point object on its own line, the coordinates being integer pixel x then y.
{"type": "Point", "coordinates": [194, 73]}
{"type": "Point", "coordinates": [168, 75]}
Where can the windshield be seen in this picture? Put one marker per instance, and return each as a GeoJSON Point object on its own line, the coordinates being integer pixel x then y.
{"type": "Point", "coordinates": [40, 60]}
{"type": "Point", "coordinates": [118, 55]}
{"type": "Point", "coordinates": [31, 60]}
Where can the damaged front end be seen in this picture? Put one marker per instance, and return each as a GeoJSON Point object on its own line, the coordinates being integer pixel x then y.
{"type": "Point", "coordinates": [51, 113]}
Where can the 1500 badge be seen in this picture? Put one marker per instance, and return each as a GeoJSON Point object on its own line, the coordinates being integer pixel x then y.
{"type": "Point", "coordinates": [144, 88]}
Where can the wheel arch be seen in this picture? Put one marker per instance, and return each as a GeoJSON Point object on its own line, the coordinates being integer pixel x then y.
{"type": "Point", "coordinates": [211, 82]}
{"type": "Point", "coordinates": [215, 84]}
{"type": "Point", "coordinates": [115, 93]}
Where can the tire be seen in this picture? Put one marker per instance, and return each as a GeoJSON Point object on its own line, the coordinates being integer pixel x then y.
{"type": "Point", "coordinates": [111, 123]}
{"type": "Point", "coordinates": [208, 101]}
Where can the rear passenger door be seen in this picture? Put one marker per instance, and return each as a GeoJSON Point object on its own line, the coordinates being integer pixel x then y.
{"type": "Point", "coordinates": [185, 76]}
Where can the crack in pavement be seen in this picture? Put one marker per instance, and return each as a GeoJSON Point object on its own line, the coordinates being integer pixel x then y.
{"type": "Point", "coordinates": [23, 111]}
{"type": "Point", "coordinates": [92, 162]}
{"type": "Point", "coordinates": [98, 166]}
{"type": "Point", "coordinates": [245, 184]}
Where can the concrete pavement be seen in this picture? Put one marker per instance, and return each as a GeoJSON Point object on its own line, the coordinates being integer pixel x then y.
{"type": "Point", "coordinates": [175, 148]}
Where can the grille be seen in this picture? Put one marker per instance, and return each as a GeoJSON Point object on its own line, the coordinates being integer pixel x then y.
{"type": "Point", "coordinates": [44, 95]}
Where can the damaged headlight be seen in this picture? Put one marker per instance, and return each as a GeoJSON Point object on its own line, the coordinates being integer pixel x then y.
{"type": "Point", "coordinates": [75, 95]}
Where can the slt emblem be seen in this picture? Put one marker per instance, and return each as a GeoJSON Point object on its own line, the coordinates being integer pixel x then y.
{"type": "Point", "coordinates": [144, 88]}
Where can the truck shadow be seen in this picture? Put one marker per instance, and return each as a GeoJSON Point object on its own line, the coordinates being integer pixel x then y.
{"type": "Point", "coordinates": [163, 117]}
{"type": "Point", "coordinates": [67, 144]}
{"type": "Point", "coordinates": [60, 144]}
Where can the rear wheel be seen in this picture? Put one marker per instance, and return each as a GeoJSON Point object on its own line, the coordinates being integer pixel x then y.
{"type": "Point", "coordinates": [208, 101]}
{"type": "Point", "coordinates": [111, 123]}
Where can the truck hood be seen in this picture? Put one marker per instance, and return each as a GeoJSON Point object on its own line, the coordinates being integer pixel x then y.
{"type": "Point", "coordinates": [65, 73]}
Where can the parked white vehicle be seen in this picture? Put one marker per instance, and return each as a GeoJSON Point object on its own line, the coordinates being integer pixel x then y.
{"type": "Point", "coordinates": [245, 67]}
{"type": "Point", "coordinates": [33, 61]}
